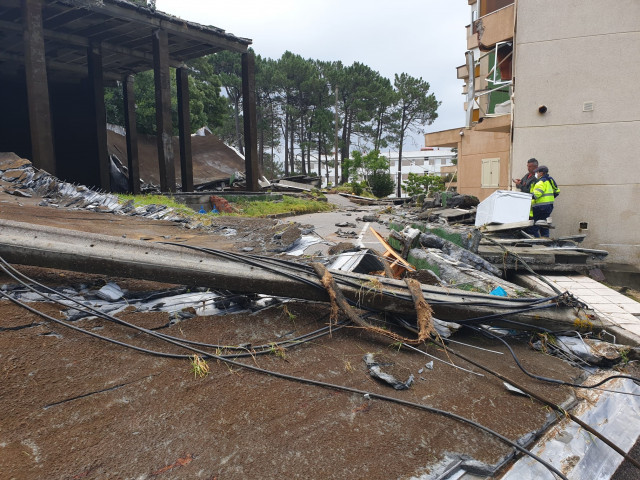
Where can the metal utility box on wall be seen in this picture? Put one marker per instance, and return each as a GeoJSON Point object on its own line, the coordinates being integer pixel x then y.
{"type": "Point", "coordinates": [504, 206]}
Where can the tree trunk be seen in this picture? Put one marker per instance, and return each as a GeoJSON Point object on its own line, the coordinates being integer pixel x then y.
{"type": "Point", "coordinates": [378, 134]}
{"type": "Point", "coordinates": [320, 156]}
{"type": "Point", "coordinates": [302, 150]}
{"type": "Point", "coordinates": [286, 143]}
{"type": "Point", "coordinates": [237, 119]}
{"type": "Point", "coordinates": [309, 141]}
{"type": "Point", "coordinates": [260, 137]}
{"type": "Point", "coordinates": [343, 151]}
{"type": "Point", "coordinates": [402, 127]}
{"type": "Point", "coordinates": [292, 131]}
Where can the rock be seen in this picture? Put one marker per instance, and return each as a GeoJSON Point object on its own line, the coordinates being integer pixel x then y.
{"type": "Point", "coordinates": [455, 200]}
{"type": "Point", "coordinates": [111, 292]}
{"type": "Point", "coordinates": [342, 247]}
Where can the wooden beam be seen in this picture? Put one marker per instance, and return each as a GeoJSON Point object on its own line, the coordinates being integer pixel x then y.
{"type": "Point", "coordinates": [184, 129]}
{"type": "Point", "coordinates": [250, 121]}
{"type": "Point", "coordinates": [133, 164]}
{"type": "Point", "coordinates": [54, 66]}
{"type": "Point", "coordinates": [94, 61]}
{"type": "Point", "coordinates": [164, 126]}
{"type": "Point", "coordinates": [42, 150]}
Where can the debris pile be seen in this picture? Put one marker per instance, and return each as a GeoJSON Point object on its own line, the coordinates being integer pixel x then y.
{"type": "Point", "coordinates": [28, 181]}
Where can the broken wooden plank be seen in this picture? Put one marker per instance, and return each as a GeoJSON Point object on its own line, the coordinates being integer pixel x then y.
{"type": "Point", "coordinates": [399, 265]}
{"type": "Point", "coordinates": [506, 226]}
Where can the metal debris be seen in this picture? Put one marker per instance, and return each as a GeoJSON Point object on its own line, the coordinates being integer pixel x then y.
{"type": "Point", "coordinates": [376, 372]}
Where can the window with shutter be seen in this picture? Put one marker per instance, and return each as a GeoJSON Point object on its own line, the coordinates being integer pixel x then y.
{"type": "Point", "coordinates": [490, 172]}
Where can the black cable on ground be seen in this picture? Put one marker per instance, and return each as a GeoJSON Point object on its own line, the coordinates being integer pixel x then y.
{"type": "Point", "coordinates": [9, 270]}
{"type": "Point", "coordinates": [551, 404]}
{"type": "Point", "coordinates": [532, 304]}
{"type": "Point", "coordinates": [546, 379]}
{"type": "Point", "coordinates": [302, 380]}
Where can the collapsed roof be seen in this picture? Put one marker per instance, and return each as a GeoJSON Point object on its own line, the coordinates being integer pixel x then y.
{"type": "Point", "coordinates": [123, 29]}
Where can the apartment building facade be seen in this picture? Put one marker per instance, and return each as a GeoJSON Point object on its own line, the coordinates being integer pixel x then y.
{"type": "Point", "coordinates": [555, 81]}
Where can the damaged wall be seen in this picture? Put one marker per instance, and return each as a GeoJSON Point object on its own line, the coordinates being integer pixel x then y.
{"type": "Point", "coordinates": [591, 152]}
{"type": "Point", "coordinates": [474, 147]}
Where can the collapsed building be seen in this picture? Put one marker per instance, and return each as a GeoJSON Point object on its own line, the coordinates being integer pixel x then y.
{"type": "Point", "coordinates": [56, 58]}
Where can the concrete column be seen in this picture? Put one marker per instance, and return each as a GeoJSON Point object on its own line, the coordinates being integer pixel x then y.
{"type": "Point", "coordinates": [96, 82]}
{"type": "Point", "coordinates": [42, 151]}
{"type": "Point", "coordinates": [164, 127]}
{"type": "Point", "coordinates": [184, 129]}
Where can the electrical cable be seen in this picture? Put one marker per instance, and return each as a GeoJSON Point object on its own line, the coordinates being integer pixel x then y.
{"type": "Point", "coordinates": [551, 404]}
{"type": "Point", "coordinates": [298, 379]}
{"type": "Point", "coordinates": [532, 304]}
{"type": "Point", "coordinates": [518, 258]}
{"type": "Point", "coordinates": [9, 270]}
{"type": "Point", "coordinates": [546, 379]}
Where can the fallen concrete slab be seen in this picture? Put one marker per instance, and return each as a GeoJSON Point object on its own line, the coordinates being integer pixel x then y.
{"type": "Point", "coordinates": [80, 251]}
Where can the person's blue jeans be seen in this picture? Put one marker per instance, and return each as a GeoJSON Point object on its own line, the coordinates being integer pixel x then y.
{"type": "Point", "coordinates": [541, 212]}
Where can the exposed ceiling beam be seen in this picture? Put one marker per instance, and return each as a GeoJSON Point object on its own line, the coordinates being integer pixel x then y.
{"type": "Point", "coordinates": [174, 25]}
{"type": "Point", "coordinates": [84, 43]}
{"type": "Point", "coordinates": [58, 66]}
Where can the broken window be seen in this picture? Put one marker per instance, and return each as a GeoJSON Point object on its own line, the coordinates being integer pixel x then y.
{"type": "Point", "coordinates": [499, 78]}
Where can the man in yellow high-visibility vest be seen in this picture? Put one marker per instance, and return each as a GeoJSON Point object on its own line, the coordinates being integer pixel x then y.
{"type": "Point", "coordinates": [543, 192]}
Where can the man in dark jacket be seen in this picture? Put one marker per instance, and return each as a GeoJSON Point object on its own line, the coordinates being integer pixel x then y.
{"type": "Point", "coordinates": [529, 179]}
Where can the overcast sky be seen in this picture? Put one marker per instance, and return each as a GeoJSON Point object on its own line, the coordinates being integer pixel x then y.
{"type": "Point", "coordinates": [424, 38]}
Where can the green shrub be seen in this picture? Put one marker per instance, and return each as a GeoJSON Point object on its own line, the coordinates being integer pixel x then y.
{"type": "Point", "coordinates": [381, 184]}
{"type": "Point", "coordinates": [427, 184]}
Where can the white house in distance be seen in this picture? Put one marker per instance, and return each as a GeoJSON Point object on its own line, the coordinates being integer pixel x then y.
{"type": "Point", "coordinates": [427, 161]}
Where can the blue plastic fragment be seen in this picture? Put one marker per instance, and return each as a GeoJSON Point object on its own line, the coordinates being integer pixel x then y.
{"type": "Point", "coordinates": [498, 292]}
{"type": "Point", "coordinates": [202, 210]}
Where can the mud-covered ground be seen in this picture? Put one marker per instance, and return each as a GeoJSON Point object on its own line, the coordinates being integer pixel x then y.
{"type": "Point", "coordinates": [79, 407]}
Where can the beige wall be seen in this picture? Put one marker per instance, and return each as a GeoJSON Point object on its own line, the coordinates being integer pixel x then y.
{"type": "Point", "coordinates": [583, 53]}
{"type": "Point", "coordinates": [475, 146]}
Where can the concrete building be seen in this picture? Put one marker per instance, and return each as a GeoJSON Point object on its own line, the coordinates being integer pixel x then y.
{"type": "Point", "coordinates": [550, 80]}
{"type": "Point", "coordinates": [428, 161]}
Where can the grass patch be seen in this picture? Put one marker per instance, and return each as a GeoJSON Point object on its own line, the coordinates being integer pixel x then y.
{"type": "Point", "coordinates": [286, 205]}
{"type": "Point", "coordinates": [244, 208]}
{"type": "Point", "coordinates": [167, 201]}
{"type": "Point", "coordinates": [349, 190]}
{"type": "Point", "coordinates": [199, 366]}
